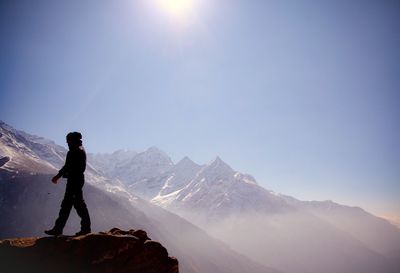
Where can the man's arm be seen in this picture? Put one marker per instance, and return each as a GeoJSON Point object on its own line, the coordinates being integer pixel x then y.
{"type": "Point", "coordinates": [62, 171]}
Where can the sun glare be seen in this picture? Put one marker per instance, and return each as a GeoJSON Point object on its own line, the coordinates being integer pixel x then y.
{"type": "Point", "coordinates": [177, 8]}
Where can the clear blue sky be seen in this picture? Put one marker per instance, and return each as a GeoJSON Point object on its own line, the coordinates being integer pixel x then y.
{"type": "Point", "coordinates": [304, 95]}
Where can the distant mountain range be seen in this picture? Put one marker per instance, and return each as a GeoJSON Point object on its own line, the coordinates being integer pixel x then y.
{"type": "Point", "coordinates": [268, 229]}
{"type": "Point", "coordinates": [29, 204]}
{"type": "Point", "coordinates": [313, 236]}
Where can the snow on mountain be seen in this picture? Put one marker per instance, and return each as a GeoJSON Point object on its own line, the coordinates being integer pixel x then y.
{"type": "Point", "coordinates": [289, 234]}
{"type": "Point", "coordinates": [131, 167]}
{"type": "Point", "coordinates": [147, 174]}
{"type": "Point", "coordinates": [217, 191]}
{"type": "Point", "coordinates": [211, 190]}
{"type": "Point", "coordinates": [227, 203]}
{"type": "Point", "coordinates": [30, 154]}
{"type": "Point", "coordinates": [45, 149]}
{"type": "Point", "coordinates": [17, 152]}
{"type": "Point", "coordinates": [179, 176]}
{"type": "Point", "coordinates": [106, 164]}
{"type": "Point", "coordinates": [29, 203]}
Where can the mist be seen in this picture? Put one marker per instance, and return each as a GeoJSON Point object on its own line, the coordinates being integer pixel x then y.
{"type": "Point", "coordinates": [301, 242]}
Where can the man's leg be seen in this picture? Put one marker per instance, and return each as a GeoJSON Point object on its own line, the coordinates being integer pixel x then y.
{"type": "Point", "coordinates": [81, 209]}
{"type": "Point", "coordinates": [66, 206]}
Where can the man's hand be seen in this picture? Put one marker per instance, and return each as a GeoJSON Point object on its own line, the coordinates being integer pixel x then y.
{"type": "Point", "coordinates": [55, 179]}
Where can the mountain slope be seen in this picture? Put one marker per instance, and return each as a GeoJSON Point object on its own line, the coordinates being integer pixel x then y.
{"type": "Point", "coordinates": [218, 192]}
{"type": "Point", "coordinates": [379, 234]}
{"type": "Point", "coordinates": [227, 203]}
{"type": "Point", "coordinates": [29, 203]}
{"type": "Point", "coordinates": [281, 231]}
{"type": "Point", "coordinates": [17, 155]}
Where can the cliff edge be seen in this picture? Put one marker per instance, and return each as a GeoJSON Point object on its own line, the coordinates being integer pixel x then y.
{"type": "Point", "coordinates": [113, 251]}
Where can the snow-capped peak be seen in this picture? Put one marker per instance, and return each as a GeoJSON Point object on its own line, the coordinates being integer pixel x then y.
{"type": "Point", "coordinates": [219, 164]}
{"type": "Point", "coordinates": [7, 127]}
{"type": "Point", "coordinates": [125, 154]}
{"type": "Point", "coordinates": [186, 163]}
{"type": "Point", "coordinates": [246, 178]}
{"type": "Point", "coordinates": [153, 155]}
{"type": "Point", "coordinates": [155, 150]}
{"type": "Point", "coordinates": [27, 152]}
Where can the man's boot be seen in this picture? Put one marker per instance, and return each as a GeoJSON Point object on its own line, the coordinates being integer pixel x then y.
{"type": "Point", "coordinates": [53, 232]}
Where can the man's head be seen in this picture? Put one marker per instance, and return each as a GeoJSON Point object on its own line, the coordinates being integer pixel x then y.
{"type": "Point", "coordinates": [74, 139]}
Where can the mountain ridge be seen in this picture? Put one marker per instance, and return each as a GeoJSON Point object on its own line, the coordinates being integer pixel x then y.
{"type": "Point", "coordinates": [226, 203]}
{"type": "Point", "coordinates": [29, 202]}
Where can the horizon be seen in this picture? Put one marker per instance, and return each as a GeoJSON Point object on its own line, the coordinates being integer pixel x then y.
{"type": "Point", "coordinates": [304, 96]}
{"type": "Point", "coordinates": [392, 218]}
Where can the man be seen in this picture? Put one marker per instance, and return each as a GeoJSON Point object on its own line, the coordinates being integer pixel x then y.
{"type": "Point", "coordinates": [75, 165]}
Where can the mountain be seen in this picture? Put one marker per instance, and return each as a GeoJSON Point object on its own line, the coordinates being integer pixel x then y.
{"type": "Point", "coordinates": [167, 182]}
{"type": "Point", "coordinates": [315, 236]}
{"type": "Point", "coordinates": [216, 192]}
{"type": "Point", "coordinates": [178, 176]}
{"type": "Point", "coordinates": [24, 153]}
{"type": "Point", "coordinates": [29, 204]}
{"type": "Point", "coordinates": [273, 229]}
{"type": "Point", "coordinates": [134, 169]}
{"type": "Point", "coordinates": [289, 234]}
{"type": "Point", "coordinates": [131, 166]}
{"type": "Point", "coordinates": [109, 163]}
{"type": "Point", "coordinates": [379, 234]}
{"type": "Point", "coordinates": [16, 154]}
{"type": "Point", "coordinates": [114, 251]}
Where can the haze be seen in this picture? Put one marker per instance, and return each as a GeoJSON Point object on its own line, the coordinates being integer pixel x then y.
{"type": "Point", "coordinates": [303, 95]}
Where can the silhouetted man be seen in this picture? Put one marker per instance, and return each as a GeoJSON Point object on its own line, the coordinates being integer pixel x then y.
{"type": "Point", "coordinates": [75, 165]}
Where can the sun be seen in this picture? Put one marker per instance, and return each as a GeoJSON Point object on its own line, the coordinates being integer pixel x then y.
{"type": "Point", "coordinates": [176, 8]}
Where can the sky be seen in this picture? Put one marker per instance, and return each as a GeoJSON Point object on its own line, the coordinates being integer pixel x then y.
{"type": "Point", "coordinates": [303, 95]}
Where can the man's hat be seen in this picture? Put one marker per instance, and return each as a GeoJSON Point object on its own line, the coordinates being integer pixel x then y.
{"type": "Point", "coordinates": [75, 137]}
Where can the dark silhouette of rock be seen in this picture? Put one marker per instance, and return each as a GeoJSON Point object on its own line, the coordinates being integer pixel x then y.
{"type": "Point", "coordinates": [4, 160]}
{"type": "Point", "coordinates": [116, 251]}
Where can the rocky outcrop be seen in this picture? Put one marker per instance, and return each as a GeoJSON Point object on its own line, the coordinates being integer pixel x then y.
{"type": "Point", "coordinates": [4, 160]}
{"type": "Point", "coordinates": [116, 251]}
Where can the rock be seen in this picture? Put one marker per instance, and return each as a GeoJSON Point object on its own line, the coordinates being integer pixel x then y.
{"type": "Point", "coordinates": [116, 251]}
{"type": "Point", "coordinates": [4, 160]}
{"type": "Point", "coordinates": [140, 234]}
